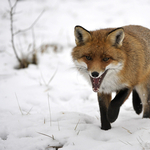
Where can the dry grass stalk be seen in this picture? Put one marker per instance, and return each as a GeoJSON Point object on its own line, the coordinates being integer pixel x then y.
{"type": "Point", "coordinates": [56, 147]}
{"type": "Point", "coordinates": [77, 125]}
{"type": "Point", "coordinates": [127, 130]}
{"type": "Point", "coordinates": [52, 137]}
{"type": "Point", "coordinates": [56, 47]}
{"type": "Point", "coordinates": [19, 104]}
{"type": "Point", "coordinates": [49, 110]}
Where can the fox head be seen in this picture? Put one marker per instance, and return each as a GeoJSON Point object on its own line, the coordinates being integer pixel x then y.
{"type": "Point", "coordinates": [98, 55]}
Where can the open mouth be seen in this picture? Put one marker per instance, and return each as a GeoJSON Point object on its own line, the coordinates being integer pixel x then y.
{"type": "Point", "coordinates": [96, 82]}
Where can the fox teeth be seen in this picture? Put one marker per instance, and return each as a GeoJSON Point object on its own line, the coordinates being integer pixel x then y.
{"type": "Point", "coordinates": [96, 82]}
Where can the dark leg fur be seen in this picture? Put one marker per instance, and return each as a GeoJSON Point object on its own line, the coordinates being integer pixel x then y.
{"type": "Point", "coordinates": [116, 103]}
{"type": "Point", "coordinates": [104, 100]}
{"type": "Point", "coordinates": [137, 105]}
{"type": "Point", "coordinates": [146, 113]}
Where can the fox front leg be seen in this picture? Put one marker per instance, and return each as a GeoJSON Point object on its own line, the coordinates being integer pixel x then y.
{"type": "Point", "coordinates": [137, 104]}
{"type": "Point", "coordinates": [115, 104]}
{"type": "Point", "coordinates": [104, 100]}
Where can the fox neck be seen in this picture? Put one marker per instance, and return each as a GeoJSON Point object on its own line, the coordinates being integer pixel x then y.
{"type": "Point", "coordinates": [111, 82]}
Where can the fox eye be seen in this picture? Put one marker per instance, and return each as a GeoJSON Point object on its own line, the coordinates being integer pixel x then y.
{"type": "Point", "coordinates": [105, 59]}
{"type": "Point", "coordinates": [88, 57]}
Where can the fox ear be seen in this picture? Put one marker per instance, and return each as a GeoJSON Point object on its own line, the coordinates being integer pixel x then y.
{"type": "Point", "coordinates": [116, 37]}
{"type": "Point", "coordinates": [81, 35]}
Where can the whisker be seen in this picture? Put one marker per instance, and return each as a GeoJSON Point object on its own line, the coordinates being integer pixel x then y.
{"type": "Point", "coordinates": [81, 69]}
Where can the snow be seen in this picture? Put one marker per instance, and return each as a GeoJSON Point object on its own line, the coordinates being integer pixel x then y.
{"type": "Point", "coordinates": [36, 114]}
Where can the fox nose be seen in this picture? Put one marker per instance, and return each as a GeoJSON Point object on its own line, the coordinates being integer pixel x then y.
{"type": "Point", "coordinates": [95, 74]}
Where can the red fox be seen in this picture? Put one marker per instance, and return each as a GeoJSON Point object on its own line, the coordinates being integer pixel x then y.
{"type": "Point", "coordinates": [115, 60]}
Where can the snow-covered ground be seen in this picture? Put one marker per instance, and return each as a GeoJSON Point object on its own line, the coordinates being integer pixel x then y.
{"type": "Point", "coordinates": [36, 114]}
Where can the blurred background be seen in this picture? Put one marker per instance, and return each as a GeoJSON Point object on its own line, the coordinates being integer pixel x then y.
{"type": "Point", "coordinates": [56, 25]}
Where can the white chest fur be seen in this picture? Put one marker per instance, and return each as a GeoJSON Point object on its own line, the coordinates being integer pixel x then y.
{"type": "Point", "coordinates": [111, 81]}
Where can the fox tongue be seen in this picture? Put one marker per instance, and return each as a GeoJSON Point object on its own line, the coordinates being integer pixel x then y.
{"type": "Point", "coordinates": [96, 82]}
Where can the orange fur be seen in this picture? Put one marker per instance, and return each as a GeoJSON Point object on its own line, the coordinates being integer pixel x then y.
{"type": "Point", "coordinates": [128, 52]}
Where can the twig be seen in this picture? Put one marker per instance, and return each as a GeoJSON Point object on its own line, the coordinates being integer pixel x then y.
{"type": "Point", "coordinates": [33, 37]}
{"type": "Point", "coordinates": [30, 27]}
{"type": "Point", "coordinates": [12, 12]}
{"type": "Point", "coordinates": [18, 104]}
{"type": "Point", "coordinates": [58, 125]}
{"type": "Point", "coordinates": [123, 142]}
{"type": "Point", "coordinates": [78, 132]}
{"type": "Point", "coordinates": [43, 78]}
{"type": "Point", "coordinates": [57, 147]}
{"type": "Point", "coordinates": [127, 143]}
{"type": "Point", "coordinates": [127, 130]}
{"type": "Point", "coordinates": [46, 135]}
{"type": "Point", "coordinates": [34, 55]}
{"type": "Point", "coordinates": [77, 125]}
{"type": "Point", "coordinates": [14, 6]}
{"type": "Point", "coordinates": [141, 141]}
{"type": "Point", "coordinates": [49, 110]}
{"type": "Point", "coordinates": [52, 77]}
{"type": "Point", "coordinates": [29, 111]}
{"type": "Point", "coordinates": [47, 84]}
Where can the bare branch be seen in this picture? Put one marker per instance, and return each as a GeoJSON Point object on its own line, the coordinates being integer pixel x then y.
{"type": "Point", "coordinates": [30, 27]}
{"type": "Point", "coordinates": [33, 38]}
{"type": "Point", "coordinates": [14, 6]}
{"type": "Point", "coordinates": [10, 3]}
{"type": "Point", "coordinates": [12, 29]}
{"type": "Point", "coordinates": [12, 12]}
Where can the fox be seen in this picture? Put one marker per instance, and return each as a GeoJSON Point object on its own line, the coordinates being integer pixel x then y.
{"type": "Point", "coordinates": [115, 60]}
